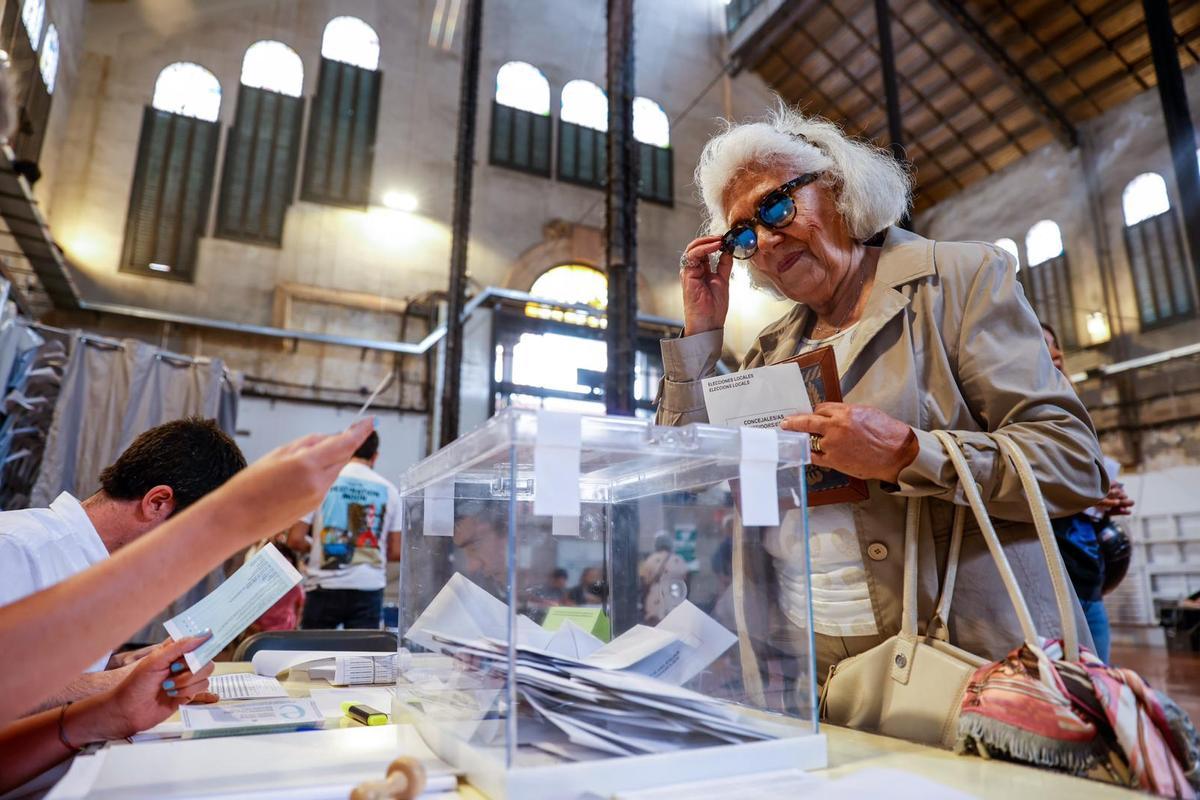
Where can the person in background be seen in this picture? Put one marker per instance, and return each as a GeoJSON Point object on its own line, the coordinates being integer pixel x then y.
{"type": "Point", "coordinates": [553, 592]}
{"type": "Point", "coordinates": [591, 589]}
{"type": "Point", "coordinates": [1079, 542]}
{"type": "Point", "coordinates": [659, 573]}
{"type": "Point", "coordinates": [349, 539]}
{"type": "Point", "coordinates": [557, 591]}
{"type": "Point", "coordinates": [165, 470]}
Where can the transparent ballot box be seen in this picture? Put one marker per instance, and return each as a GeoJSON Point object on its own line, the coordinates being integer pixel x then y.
{"type": "Point", "coordinates": [597, 604]}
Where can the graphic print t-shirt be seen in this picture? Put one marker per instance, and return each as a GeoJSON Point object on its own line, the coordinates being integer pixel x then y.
{"type": "Point", "coordinates": [350, 531]}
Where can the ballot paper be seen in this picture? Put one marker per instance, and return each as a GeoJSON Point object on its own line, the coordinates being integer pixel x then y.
{"type": "Point", "coordinates": [573, 641]}
{"type": "Point", "coordinates": [465, 610]}
{"type": "Point", "coordinates": [339, 668]}
{"type": "Point", "coordinates": [231, 607]}
{"type": "Point", "coordinates": [259, 716]}
{"type": "Point", "coordinates": [364, 670]}
{"type": "Point", "coordinates": [245, 686]}
{"type": "Point", "coordinates": [756, 398]}
{"type": "Point", "coordinates": [624, 697]}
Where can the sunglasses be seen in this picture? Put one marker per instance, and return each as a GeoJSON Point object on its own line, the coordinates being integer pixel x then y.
{"type": "Point", "coordinates": [776, 210]}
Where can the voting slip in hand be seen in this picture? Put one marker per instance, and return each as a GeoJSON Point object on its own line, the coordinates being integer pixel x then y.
{"type": "Point", "coordinates": [764, 397]}
{"type": "Point", "coordinates": [234, 605]}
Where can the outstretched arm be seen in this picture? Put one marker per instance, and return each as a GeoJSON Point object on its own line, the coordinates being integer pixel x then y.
{"type": "Point", "coordinates": [99, 608]}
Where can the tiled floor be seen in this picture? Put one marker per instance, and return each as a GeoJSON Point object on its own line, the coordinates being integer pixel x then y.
{"type": "Point", "coordinates": [1177, 674]}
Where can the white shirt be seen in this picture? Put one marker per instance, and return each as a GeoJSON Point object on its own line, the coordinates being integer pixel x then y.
{"type": "Point", "coordinates": [838, 577]}
{"type": "Point", "coordinates": [40, 547]}
{"type": "Point", "coordinates": [350, 531]}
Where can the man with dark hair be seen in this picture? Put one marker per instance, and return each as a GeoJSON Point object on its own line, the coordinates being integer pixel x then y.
{"type": "Point", "coordinates": [349, 539]}
{"type": "Point", "coordinates": [163, 471]}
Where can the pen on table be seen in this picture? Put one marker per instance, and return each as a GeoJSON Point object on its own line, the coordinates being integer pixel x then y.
{"type": "Point", "coordinates": [364, 714]}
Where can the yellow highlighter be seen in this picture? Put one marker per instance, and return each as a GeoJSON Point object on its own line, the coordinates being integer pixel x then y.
{"type": "Point", "coordinates": [364, 714]}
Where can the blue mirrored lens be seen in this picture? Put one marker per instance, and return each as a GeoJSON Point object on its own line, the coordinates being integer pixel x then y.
{"type": "Point", "coordinates": [744, 241]}
{"type": "Point", "coordinates": [777, 210]}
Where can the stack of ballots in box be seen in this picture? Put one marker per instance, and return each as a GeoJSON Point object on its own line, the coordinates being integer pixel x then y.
{"type": "Point", "coordinates": [625, 697]}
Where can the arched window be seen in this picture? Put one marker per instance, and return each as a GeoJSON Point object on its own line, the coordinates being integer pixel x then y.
{"type": "Point", "coordinates": [557, 360]}
{"type": "Point", "coordinates": [340, 153]}
{"type": "Point", "coordinates": [48, 61]}
{"type": "Point", "coordinates": [1009, 246]}
{"type": "Point", "coordinates": [650, 123]}
{"type": "Point", "coordinates": [652, 130]}
{"type": "Point", "coordinates": [1145, 196]}
{"type": "Point", "coordinates": [188, 89]}
{"type": "Point", "coordinates": [273, 66]}
{"type": "Point", "coordinates": [351, 41]}
{"type": "Point", "coordinates": [523, 86]}
{"type": "Point", "coordinates": [570, 283]}
{"type": "Point", "coordinates": [573, 283]}
{"type": "Point", "coordinates": [584, 103]}
{"type": "Point", "coordinates": [552, 365]}
{"type": "Point", "coordinates": [1043, 242]}
{"type": "Point", "coordinates": [582, 142]}
{"type": "Point", "coordinates": [172, 182]}
{"type": "Point", "coordinates": [259, 177]}
{"type": "Point", "coordinates": [1047, 281]}
{"type": "Point", "coordinates": [521, 119]}
{"type": "Point", "coordinates": [33, 14]}
{"type": "Point", "coordinates": [1157, 259]}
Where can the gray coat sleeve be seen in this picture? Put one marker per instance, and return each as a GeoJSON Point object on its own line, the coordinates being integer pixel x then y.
{"type": "Point", "coordinates": [1005, 375]}
{"type": "Point", "coordinates": [686, 361]}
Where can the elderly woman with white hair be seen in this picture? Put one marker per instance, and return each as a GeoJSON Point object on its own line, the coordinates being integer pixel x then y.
{"type": "Point", "coordinates": [927, 336]}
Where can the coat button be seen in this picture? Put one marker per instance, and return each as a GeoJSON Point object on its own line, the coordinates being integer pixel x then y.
{"type": "Point", "coordinates": [877, 551]}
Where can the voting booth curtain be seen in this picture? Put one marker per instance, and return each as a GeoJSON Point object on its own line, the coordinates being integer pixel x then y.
{"type": "Point", "coordinates": [112, 391]}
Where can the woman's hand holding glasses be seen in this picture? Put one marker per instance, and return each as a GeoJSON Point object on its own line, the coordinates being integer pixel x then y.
{"type": "Point", "coordinates": [705, 292]}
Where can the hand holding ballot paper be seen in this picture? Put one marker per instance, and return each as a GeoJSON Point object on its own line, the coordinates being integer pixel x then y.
{"type": "Point", "coordinates": [766, 396]}
{"type": "Point", "coordinates": [236, 603]}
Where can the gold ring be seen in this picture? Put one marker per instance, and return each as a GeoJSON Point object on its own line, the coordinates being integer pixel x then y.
{"type": "Point", "coordinates": [814, 441]}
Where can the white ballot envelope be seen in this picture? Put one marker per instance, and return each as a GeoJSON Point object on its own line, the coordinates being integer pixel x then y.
{"type": "Point", "coordinates": [233, 605]}
{"type": "Point", "coordinates": [756, 398]}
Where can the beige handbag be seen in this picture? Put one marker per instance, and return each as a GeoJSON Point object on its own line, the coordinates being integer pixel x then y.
{"type": "Point", "coordinates": [912, 686]}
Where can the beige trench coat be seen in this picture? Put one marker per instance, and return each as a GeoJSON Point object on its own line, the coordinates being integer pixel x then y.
{"type": "Point", "coordinates": [947, 341]}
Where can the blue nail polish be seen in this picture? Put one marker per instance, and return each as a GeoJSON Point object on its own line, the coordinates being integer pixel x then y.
{"type": "Point", "coordinates": [171, 693]}
{"type": "Point", "coordinates": [177, 666]}
{"type": "Point", "coordinates": [168, 684]}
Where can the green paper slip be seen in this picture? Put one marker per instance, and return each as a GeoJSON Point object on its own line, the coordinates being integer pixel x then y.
{"type": "Point", "coordinates": [592, 620]}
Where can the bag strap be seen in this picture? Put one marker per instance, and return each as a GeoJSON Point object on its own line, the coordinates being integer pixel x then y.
{"type": "Point", "coordinates": [1054, 562]}
{"type": "Point", "coordinates": [908, 613]}
{"type": "Point", "coordinates": [970, 488]}
{"type": "Point", "coordinates": [939, 623]}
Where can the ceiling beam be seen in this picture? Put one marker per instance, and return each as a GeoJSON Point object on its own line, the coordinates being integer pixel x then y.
{"type": "Point", "coordinates": [1114, 79]}
{"type": "Point", "coordinates": [767, 36]}
{"type": "Point", "coordinates": [1100, 54]}
{"type": "Point", "coordinates": [987, 48]}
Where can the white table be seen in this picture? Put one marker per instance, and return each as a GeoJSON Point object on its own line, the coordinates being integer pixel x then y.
{"type": "Point", "coordinates": [325, 763]}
